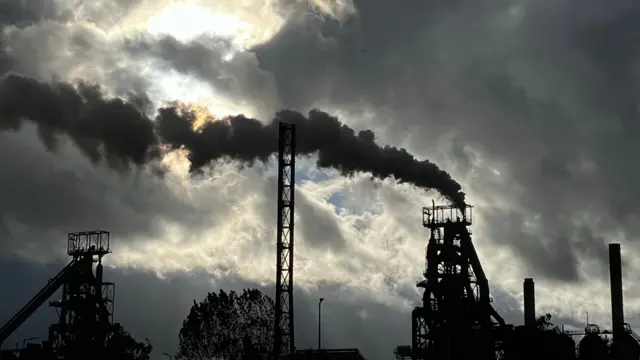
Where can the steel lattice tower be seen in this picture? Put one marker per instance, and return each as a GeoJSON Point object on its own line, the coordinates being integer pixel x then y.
{"type": "Point", "coordinates": [284, 334]}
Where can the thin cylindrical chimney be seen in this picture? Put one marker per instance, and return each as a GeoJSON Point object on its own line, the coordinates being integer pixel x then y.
{"type": "Point", "coordinates": [529, 303]}
{"type": "Point", "coordinates": [617, 305]}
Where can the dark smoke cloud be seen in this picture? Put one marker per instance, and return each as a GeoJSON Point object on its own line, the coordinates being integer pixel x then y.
{"type": "Point", "coordinates": [101, 127]}
{"type": "Point", "coordinates": [120, 132]}
{"type": "Point", "coordinates": [338, 146]}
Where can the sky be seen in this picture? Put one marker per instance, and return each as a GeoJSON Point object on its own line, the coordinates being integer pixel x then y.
{"type": "Point", "coordinates": [531, 106]}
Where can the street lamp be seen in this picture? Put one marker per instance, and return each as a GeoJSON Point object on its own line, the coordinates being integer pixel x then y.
{"type": "Point", "coordinates": [320, 323]}
{"type": "Point", "coordinates": [168, 355]}
{"type": "Point", "coordinates": [586, 312]}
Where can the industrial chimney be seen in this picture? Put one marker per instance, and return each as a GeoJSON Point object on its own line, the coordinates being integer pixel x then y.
{"type": "Point", "coordinates": [617, 306]}
{"type": "Point", "coordinates": [529, 303]}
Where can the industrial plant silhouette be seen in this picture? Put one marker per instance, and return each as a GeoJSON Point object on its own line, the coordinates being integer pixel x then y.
{"type": "Point", "coordinates": [456, 320]}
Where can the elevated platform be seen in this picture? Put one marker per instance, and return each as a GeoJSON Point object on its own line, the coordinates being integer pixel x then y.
{"type": "Point", "coordinates": [92, 243]}
{"type": "Point", "coordinates": [439, 216]}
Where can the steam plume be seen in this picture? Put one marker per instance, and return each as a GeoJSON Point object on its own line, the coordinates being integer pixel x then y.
{"type": "Point", "coordinates": [119, 131]}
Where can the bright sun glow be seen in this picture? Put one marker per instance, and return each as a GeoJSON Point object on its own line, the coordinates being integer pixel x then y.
{"type": "Point", "coordinates": [187, 21]}
{"type": "Point", "coordinates": [172, 85]}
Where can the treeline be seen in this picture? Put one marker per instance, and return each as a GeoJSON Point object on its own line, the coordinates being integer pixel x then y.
{"type": "Point", "coordinates": [228, 326]}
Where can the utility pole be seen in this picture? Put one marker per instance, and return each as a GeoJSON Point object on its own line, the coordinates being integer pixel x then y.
{"type": "Point", "coordinates": [320, 323]}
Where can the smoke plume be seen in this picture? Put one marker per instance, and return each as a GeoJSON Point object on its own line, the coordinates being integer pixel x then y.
{"type": "Point", "coordinates": [337, 146]}
{"type": "Point", "coordinates": [101, 127]}
{"type": "Point", "coordinates": [118, 131]}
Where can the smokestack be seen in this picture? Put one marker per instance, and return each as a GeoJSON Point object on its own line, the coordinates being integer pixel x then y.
{"type": "Point", "coordinates": [529, 303]}
{"type": "Point", "coordinates": [617, 306]}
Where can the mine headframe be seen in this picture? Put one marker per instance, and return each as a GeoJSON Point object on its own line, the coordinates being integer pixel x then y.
{"type": "Point", "coordinates": [456, 319]}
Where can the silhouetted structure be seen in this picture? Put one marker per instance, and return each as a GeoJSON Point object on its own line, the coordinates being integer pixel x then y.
{"type": "Point", "coordinates": [526, 343]}
{"type": "Point", "coordinates": [619, 343]}
{"type": "Point", "coordinates": [284, 332]}
{"type": "Point", "coordinates": [457, 322]}
{"type": "Point", "coordinates": [29, 352]}
{"type": "Point", "coordinates": [592, 346]}
{"type": "Point", "coordinates": [625, 342]}
{"type": "Point", "coordinates": [284, 341]}
{"type": "Point", "coordinates": [327, 354]}
{"type": "Point", "coordinates": [617, 304]}
{"type": "Point", "coordinates": [529, 303]}
{"type": "Point", "coordinates": [85, 310]}
{"type": "Point", "coordinates": [456, 319]}
{"type": "Point", "coordinates": [402, 352]}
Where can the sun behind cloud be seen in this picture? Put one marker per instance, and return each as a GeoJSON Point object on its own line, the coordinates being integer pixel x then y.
{"type": "Point", "coordinates": [200, 114]}
{"type": "Point", "coordinates": [187, 21]}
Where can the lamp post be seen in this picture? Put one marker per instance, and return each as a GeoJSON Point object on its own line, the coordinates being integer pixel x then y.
{"type": "Point", "coordinates": [586, 312]}
{"type": "Point", "coordinates": [320, 323]}
{"type": "Point", "coordinates": [168, 355]}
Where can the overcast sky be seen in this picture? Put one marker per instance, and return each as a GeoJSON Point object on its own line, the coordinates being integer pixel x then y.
{"type": "Point", "coordinates": [532, 106]}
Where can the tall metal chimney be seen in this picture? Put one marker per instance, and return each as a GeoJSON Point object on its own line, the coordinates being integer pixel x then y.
{"type": "Point", "coordinates": [529, 303]}
{"type": "Point", "coordinates": [617, 306]}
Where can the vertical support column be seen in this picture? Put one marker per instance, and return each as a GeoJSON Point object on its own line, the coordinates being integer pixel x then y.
{"type": "Point", "coordinates": [529, 303]}
{"type": "Point", "coordinates": [617, 305]}
{"type": "Point", "coordinates": [284, 330]}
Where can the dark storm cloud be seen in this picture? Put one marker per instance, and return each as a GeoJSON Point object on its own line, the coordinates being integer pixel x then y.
{"type": "Point", "coordinates": [48, 194]}
{"type": "Point", "coordinates": [45, 196]}
{"type": "Point", "coordinates": [550, 89]}
{"type": "Point", "coordinates": [22, 13]}
{"type": "Point", "coordinates": [32, 32]}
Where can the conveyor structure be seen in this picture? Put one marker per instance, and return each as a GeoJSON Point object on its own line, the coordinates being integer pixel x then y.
{"type": "Point", "coordinates": [34, 304]}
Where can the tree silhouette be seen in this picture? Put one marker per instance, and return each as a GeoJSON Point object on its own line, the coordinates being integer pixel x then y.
{"type": "Point", "coordinates": [122, 346]}
{"type": "Point", "coordinates": [544, 323]}
{"type": "Point", "coordinates": [228, 326]}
